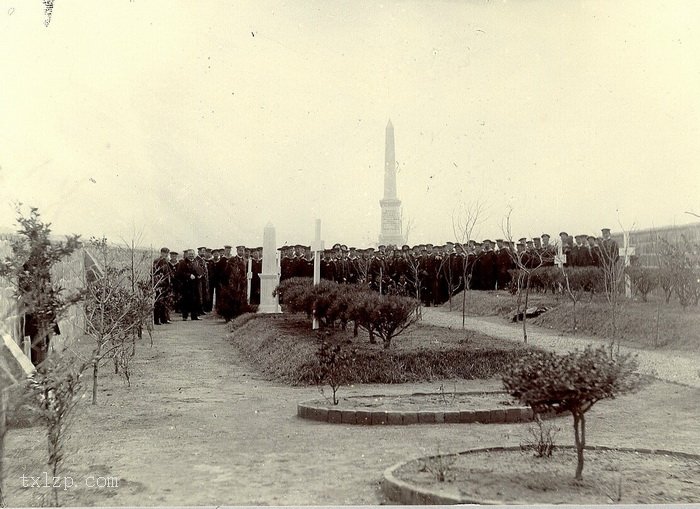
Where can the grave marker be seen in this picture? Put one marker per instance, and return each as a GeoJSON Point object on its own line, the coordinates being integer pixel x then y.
{"type": "Point", "coordinates": [626, 252]}
{"type": "Point", "coordinates": [270, 276]}
{"type": "Point", "coordinates": [317, 247]}
{"type": "Point", "coordinates": [560, 257]}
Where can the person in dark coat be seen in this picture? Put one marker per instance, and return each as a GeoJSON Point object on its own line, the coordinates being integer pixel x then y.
{"type": "Point", "coordinates": [609, 248]}
{"type": "Point", "coordinates": [187, 273]}
{"type": "Point", "coordinates": [175, 293]}
{"type": "Point", "coordinates": [214, 268]}
{"type": "Point", "coordinates": [162, 283]}
{"type": "Point", "coordinates": [33, 324]}
{"type": "Point", "coordinates": [256, 269]}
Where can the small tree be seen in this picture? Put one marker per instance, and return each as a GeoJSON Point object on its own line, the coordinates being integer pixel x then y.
{"type": "Point", "coordinates": [29, 270]}
{"type": "Point", "coordinates": [573, 382]}
{"type": "Point", "coordinates": [114, 313]}
{"type": "Point", "coordinates": [526, 266]}
{"type": "Point", "coordinates": [644, 280]}
{"type": "Point", "coordinates": [465, 220]}
{"type": "Point", "coordinates": [55, 391]}
{"type": "Point", "coordinates": [335, 362]}
{"type": "Point", "coordinates": [578, 281]}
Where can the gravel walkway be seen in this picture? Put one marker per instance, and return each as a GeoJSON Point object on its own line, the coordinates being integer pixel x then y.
{"type": "Point", "coordinates": [678, 367]}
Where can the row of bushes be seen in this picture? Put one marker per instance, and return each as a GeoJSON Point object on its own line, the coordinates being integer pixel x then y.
{"type": "Point", "coordinates": [331, 304]}
{"type": "Point", "coordinates": [588, 279]}
{"type": "Point", "coordinates": [682, 281]}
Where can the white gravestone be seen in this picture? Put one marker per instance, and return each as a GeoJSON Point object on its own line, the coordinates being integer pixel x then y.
{"type": "Point", "coordinates": [317, 247]}
{"type": "Point", "coordinates": [270, 276]}
{"type": "Point", "coordinates": [560, 257]}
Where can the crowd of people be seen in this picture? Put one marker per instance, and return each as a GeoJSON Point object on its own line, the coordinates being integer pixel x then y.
{"type": "Point", "coordinates": [216, 279]}
{"type": "Point", "coordinates": [195, 284]}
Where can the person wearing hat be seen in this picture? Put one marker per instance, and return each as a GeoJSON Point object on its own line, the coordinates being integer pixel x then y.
{"type": "Point", "coordinates": [203, 283]}
{"type": "Point", "coordinates": [162, 276]}
{"type": "Point", "coordinates": [174, 301]}
{"type": "Point", "coordinates": [547, 251]}
{"type": "Point", "coordinates": [609, 248]}
{"type": "Point", "coordinates": [327, 265]}
{"type": "Point", "coordinates": [353, 266]}
{"type": "Point", "coordinates": [189, 275]}
{"type": "Point", "coordinates": [504, 263]}
{"type": "Point", "coordinates": [234, 299]}
{"type": "Point", "coordinates": [227, 253]}
{"type": "Point", "coordinates": [594, 251]}
{"type": "Point", "coordinates": [256, 269]}
{"type": "Point", "coordinates": [217, 276]}
{"type": "Point", "coordinates": [576, 252]}
{"type": "Point", "coordinates": [286, 262]}
{"type": "Point", "coordinates": [567, 243]}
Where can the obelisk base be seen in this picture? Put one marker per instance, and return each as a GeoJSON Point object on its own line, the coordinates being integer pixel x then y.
{"type": "Point", "coordinates": [268, 302]}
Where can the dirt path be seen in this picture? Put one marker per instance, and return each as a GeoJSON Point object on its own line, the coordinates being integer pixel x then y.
{"type": "Point", "coordinates": [198, 427]}
{"type": "Point", "coordinates": [680, 367]}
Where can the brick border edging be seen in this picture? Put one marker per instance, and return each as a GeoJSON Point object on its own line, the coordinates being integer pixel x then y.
{"type": "Point", "coordinates": [309, 410]}
{"type": "Point", "coordinates": [401, 492]}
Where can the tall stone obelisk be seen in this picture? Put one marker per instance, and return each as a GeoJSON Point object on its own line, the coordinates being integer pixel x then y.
{"type": "Point", "coordinates": [390, 232]}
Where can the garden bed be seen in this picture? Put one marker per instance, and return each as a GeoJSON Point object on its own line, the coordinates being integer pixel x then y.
{"type": "Point", "coordinates": [418, 408]}
{"type": "Point", "coordinates": [283, 348]}
{"type": "Point", "coordinates": [513, 476]}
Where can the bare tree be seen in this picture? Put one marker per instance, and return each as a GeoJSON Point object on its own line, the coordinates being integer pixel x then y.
{"type": "Point", "coordinates": [613, 280]}
{"type": "Point", "coordinates": [113, 312]}
{"type": "Point", "coordinates": [526, 263]}
{"type": "Point", "coordinates": [408, 224]}
{"type": "Point", "coordinates": [466, 219]}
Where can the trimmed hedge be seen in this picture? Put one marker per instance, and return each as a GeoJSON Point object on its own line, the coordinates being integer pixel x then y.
{"type": "Point", "coordinates": [385, 316]}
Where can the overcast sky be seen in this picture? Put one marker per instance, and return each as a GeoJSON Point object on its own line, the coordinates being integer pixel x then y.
{"type": "Point", "coordinates": [197, 123]}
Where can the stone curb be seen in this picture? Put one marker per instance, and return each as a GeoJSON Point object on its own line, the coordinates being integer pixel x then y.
{"type": "Point", "coordinates": [318, 412]}
{"type": "Point", "coordinates": [401, 492]}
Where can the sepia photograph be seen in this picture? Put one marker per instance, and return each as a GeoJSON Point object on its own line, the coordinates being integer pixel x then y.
{"type": "Point", "coordinates": [441, 252]}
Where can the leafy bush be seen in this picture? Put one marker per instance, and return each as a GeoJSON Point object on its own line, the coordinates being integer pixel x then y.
{"type": "Point", "coordinates": [644, 279]}
{"type": "Point", "coordinates": [573, 382]}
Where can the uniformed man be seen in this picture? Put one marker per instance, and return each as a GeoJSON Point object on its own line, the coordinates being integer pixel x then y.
{"type": "Point", "coordinates": [188, 275]}
{"type": "Point", "coordinates": [175, 293]}
{"type": "Point", "coordinates": [609, 247]}
{"type": "Point", "coordinates": [256, 268]}
{"type": "Point", "coordinates": [162, 276]}
{"type": "Point", "coordinates": [201, 265]}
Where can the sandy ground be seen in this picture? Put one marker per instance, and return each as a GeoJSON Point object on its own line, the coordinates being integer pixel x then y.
{"type": "Point", "coordinates": [199, 427]}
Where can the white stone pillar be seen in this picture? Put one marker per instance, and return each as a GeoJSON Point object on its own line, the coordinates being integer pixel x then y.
{"type": "Point", "coordinates": [269, 279]}
{"type": "Point", "coordinates": [317, 247]}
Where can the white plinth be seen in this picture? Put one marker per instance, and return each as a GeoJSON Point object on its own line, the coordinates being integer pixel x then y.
{"type": "Point", "coordinates": [268, 302]}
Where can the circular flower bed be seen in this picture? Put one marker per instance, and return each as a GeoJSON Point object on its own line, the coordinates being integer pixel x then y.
{"type": "Point", "coordinates": [510, 475]}
{"type": "Point", "coordinates": [418, 408]}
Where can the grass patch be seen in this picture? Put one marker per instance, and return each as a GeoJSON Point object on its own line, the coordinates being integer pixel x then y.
{"type": "Point", "coordinates": [283, 348]}
{"type": "Point", "coordinates": [636, 324]}
{"type": "Point", "coordinates": [651, 325]}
